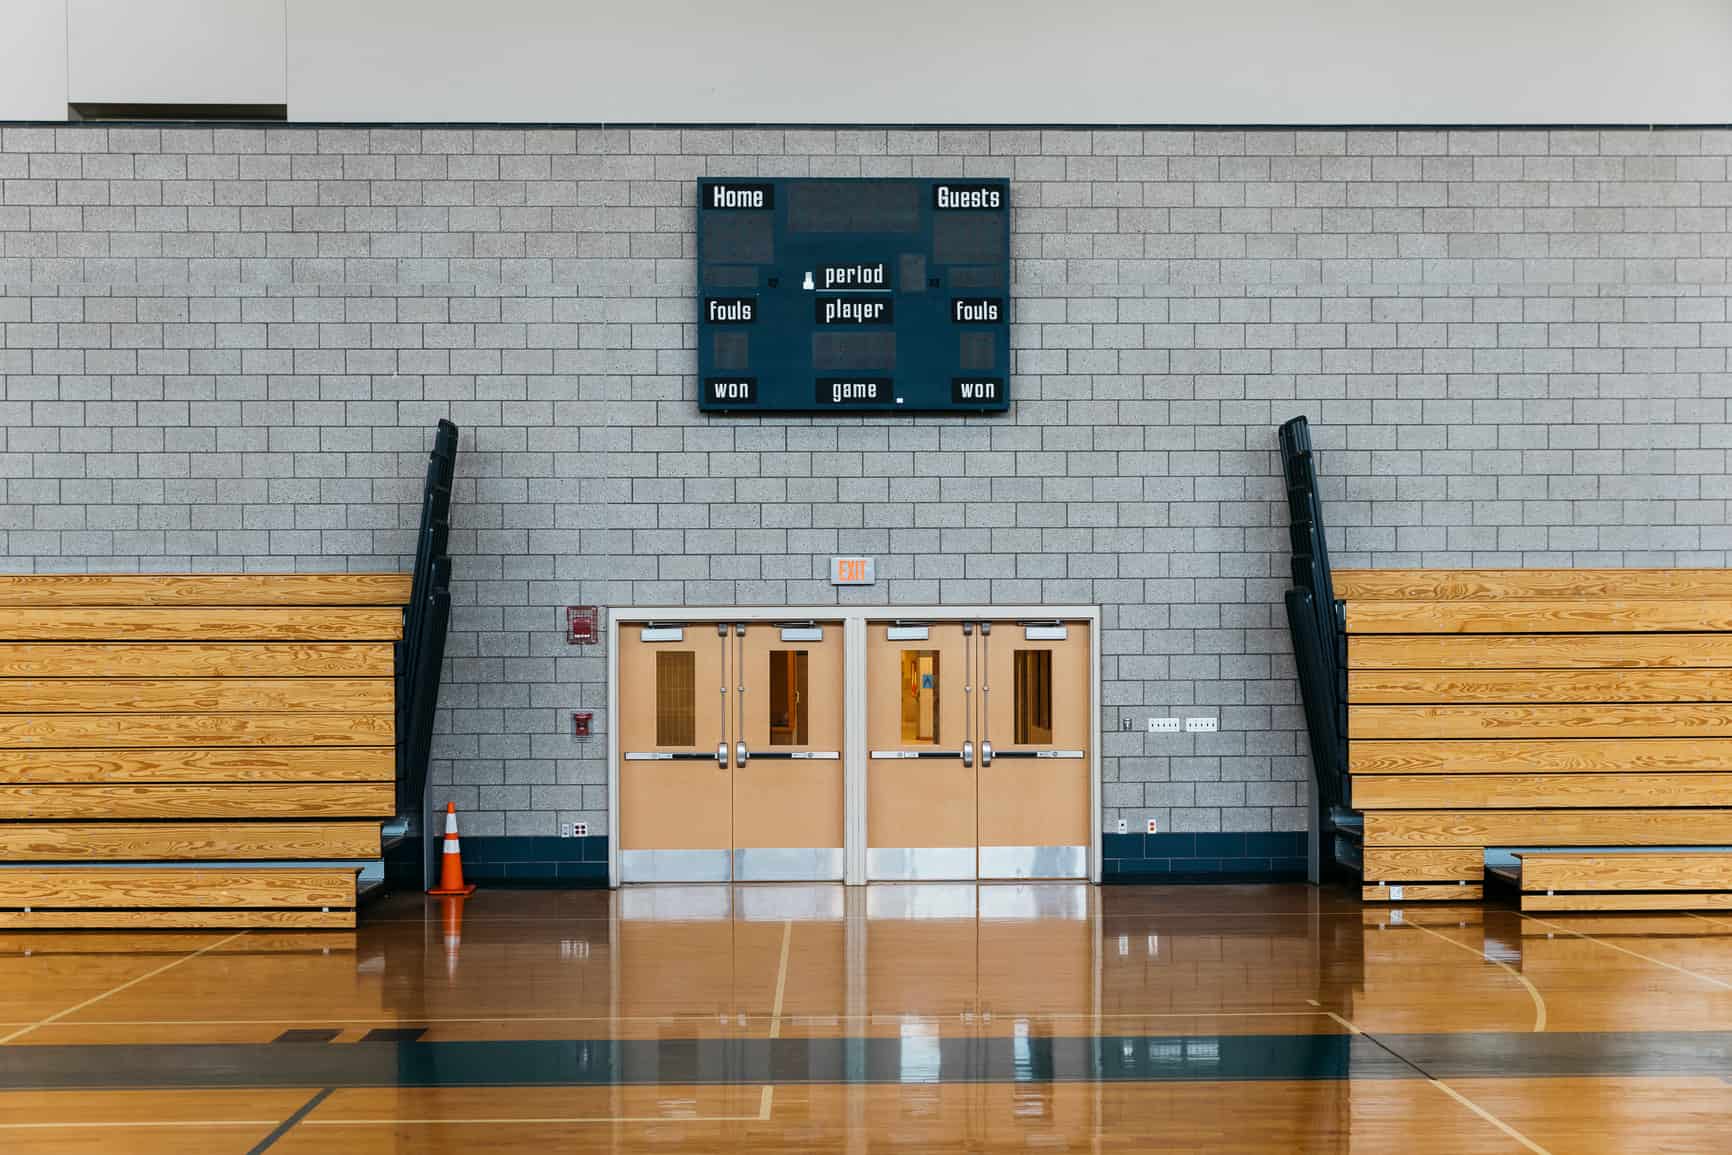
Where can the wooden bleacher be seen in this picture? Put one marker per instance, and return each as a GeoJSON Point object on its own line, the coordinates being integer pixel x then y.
{"type": "Point", "coordinates": [1541, 711]}
{"type": "Point", "coordinates": [194, 750]}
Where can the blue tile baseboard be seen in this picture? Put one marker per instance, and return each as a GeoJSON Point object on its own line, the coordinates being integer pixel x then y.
{"type": "Point", "coordinates": [1271, 857]}
{"type": "Point", "coordinates": [513, 861]}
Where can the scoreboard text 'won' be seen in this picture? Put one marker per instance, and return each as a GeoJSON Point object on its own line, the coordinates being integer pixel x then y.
{"type": "Point", "coordinates": [853, 296]}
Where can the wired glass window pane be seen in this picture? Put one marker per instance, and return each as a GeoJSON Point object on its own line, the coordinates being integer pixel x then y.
{"type": "Point", "coordinates": [676, 698]}
{"type": "Point", "coordinates": [788, 698]}
{"type": "Point", "coordinates": [1033, 697]}
{"type": "Point", "coordinates": [919, 696]}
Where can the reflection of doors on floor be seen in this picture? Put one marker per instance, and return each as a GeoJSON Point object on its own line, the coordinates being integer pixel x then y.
{"type": "Point", "coordinates": [978, 738]}
{"type": "Point", "coordinates": [730, 741]}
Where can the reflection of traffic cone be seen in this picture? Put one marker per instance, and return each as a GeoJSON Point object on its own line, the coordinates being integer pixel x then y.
{"type": "Point", "coordinates": [452, 911]}
{"type": "Point", "coordinates": [451, 860]}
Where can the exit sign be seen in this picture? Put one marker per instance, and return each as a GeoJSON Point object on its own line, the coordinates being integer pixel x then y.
{"type": "Point", "coordinates": [852, 571]}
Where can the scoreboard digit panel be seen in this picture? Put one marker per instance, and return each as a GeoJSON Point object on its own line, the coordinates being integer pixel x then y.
{"type": "Point", "coordinates": [853, 296]}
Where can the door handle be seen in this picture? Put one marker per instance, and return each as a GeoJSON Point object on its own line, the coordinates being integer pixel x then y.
{"type": "Point", "coordinates": [722, 755]}
{"type": "Point", "coordinates": [968, 753]}
{"type": "Point", "coordinates": [740, 754]}
{"type": "Point", "coordinates": [985, 753]}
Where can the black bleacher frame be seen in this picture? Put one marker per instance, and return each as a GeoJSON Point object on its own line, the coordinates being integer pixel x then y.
{"type": "Point", "coordinates": [1316, 620]}
{"type": "Point", "coordinates": [421, 653]}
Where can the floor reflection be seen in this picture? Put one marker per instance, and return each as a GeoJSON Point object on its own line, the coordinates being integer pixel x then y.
{"type": "Point", "coordinates": [929, 1014]}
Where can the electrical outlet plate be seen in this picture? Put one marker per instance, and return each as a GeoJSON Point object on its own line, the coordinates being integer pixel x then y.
{"type": "Point", "coordinates": [1163, 725]}
{"type": "Point", "coordinates": [565, 830]}
{"type": "Point", "coordinates": [1122, 825]}
{"type": "Point", "coordinates": [1154, 826]}
{"type": "Point", "coordinates": [580, 830]}
{"type": "Point", "coordinates": [1201, 725]}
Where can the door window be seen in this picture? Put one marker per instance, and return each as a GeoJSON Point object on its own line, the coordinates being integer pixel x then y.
{"type": "Point", "coordinates": [1033, 692]}
{"type": "Point", "coordinates": [920, 696]}
{"type": "Point", "coordinates": [676, 698]}
{"type": "Point", "coordinates": [787, 701]}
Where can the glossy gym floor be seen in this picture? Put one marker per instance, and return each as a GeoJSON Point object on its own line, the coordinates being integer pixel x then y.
{"type": "Point", "coordinates": [918, 1017]}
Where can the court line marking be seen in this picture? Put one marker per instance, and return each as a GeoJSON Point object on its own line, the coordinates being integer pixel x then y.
{"type": "Point", "coordinates": [22, 1031]}
{"type": "Point", "coordinates": [131, 1123]}
{"type": "Point", "coordinates": [1349, 1027]}
{"type": "Point", "coordinates": [781, 979]}
{"type": "Point", "coordinates": [876, 1016]}
{"type": "Point", "coordinates": [1442, 1086]}
{"type": "Point", "coordinates": [288, 1124]}
{"type": "Point", "coordinates": [767, 1097]}
{"type": "Point", "coordinates": [1711, 980]}
{"type": "Point", "coordinates": [1487, 1116]}
{"type": "Point", "coordinates": [1533, 991]}
{"type": "Point", "coordinates": [758, 1118]}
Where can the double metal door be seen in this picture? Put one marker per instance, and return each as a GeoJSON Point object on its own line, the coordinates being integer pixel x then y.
{"type": "Point", "coordinates": [730, 752]}
{"type": "Point", "coordinates": [978, 739]}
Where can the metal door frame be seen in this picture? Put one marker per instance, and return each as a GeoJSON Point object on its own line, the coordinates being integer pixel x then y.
{"type": "Point", "coordinates": [853, 620]}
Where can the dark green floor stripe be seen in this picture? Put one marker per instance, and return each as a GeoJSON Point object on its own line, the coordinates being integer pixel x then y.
{"type": "Point", "coordinates": [757, 1061]}
{"type": "Point", "coordinates": [288, 1124]}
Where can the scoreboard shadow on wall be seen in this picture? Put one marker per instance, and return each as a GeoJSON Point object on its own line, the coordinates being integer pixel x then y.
{"type": "Point", "coordinates": [853, 296]}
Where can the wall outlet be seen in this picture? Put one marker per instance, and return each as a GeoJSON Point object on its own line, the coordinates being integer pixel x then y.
{"type": "Point", "coordinates": [1163, 725]}
{"type": "Point", "coordinates": [1154, 826]}
{"type": "Point", "coordinates": [580, 830]}
{"type": "Point", "coordinates": [1201, 725]}
{"type": "Point", "coordinates": [565, 830]}
{"type": "Point", "coordinates": [1122, 826]}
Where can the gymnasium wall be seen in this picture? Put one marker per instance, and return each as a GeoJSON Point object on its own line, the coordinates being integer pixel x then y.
{"type": "Point", "coordinates": [225, 348]}
{"type": "Point", "coordinates": [884, 61]}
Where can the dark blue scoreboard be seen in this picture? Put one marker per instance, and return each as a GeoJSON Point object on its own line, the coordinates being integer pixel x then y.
{"type": "Point", "coordinates": [853, 296]}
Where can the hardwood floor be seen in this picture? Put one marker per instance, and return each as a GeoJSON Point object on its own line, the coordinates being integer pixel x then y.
{"type": "Point", "coordinates": [918, 1018]}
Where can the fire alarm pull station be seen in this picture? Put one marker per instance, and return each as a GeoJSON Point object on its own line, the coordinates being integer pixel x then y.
{"type": "Point", "coordinates": [580, 723]}
{"type": "Point", "coordinates": [580, 625]}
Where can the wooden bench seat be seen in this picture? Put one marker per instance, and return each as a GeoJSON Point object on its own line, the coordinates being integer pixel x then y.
{"type": "Point", "coordinates": [1625, 880]}
{"type": "Point", "coordinates": [154, 727]}
{"type": "Point", "coordinates": [1521, 708]}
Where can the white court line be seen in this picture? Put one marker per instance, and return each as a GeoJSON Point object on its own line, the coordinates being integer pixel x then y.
{"type": "Point", "coordinates": [22, 1031]}
{"type": "Point", "coordinates": [1353, 1028]}
{"type": "Point", "coordinates": [767, 1099]}
{"type": "Point", "coordinates": [1533, 991]}
{"type": "Point", "coordinates": [1721, 983]}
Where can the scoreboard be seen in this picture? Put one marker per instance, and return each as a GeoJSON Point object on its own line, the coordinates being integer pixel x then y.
{"type": "Point", "coordinates": [853, 296]}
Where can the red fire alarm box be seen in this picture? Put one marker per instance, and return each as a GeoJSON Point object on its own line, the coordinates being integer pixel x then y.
{"type": "Point", "coordinates": [580, 723]}
{"type": "Point", "coordinates": [581, 623]}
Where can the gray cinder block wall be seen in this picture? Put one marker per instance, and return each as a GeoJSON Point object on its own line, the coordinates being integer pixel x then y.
{"type": "Point", "coordinates": [224, 349]}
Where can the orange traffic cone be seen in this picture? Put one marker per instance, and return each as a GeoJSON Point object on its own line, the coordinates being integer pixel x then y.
{"type": "Point", "coordinates": [451, 859]}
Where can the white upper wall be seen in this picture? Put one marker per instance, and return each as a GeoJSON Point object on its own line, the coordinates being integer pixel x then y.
{"type": "Point", "coordinates": [1013, 61]}
{"type": "Point", "coordinates": [33, 60]}
{"type": "Point", "coordinates": [884, 61]}
{"type": "Point", "coordinates": [175, 52]}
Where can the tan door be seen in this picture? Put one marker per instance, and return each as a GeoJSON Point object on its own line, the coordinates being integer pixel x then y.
{"type": "Point", "coordinates": [675, 791]}
{"type": "Point", "coordinates": [920, 776]}
{"type": "Point", "coordinates": [787, 752]}
{"type": "Point", "coordinates": [1034, 742]}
